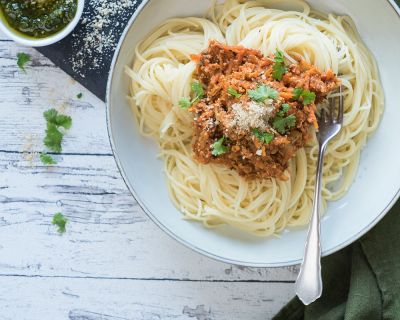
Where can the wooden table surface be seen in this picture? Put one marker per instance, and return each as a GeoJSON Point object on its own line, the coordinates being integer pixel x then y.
{"type": "Point", "coordinates": [113, 262]}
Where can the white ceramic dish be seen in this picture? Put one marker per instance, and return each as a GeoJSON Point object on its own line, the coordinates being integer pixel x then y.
{"type": "Point", "coordinates": [374, 191]}
{"type": "Point", "coordinates": [17, 37]}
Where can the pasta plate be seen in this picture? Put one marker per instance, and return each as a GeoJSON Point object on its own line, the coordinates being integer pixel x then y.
{"type": "Point", "coordinates": [374, 190]}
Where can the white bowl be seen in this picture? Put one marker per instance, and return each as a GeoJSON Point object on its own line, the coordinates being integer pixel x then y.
{"type": "Point", "coordinates": [374, 191]}
{"type": "Point", "coordinates": [17, 37]}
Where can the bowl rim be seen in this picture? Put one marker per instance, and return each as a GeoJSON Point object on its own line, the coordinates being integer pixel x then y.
{"type": "Point", "coordinates": [167, 230]}
{"type": "Point", "coordinates": [13, 35]}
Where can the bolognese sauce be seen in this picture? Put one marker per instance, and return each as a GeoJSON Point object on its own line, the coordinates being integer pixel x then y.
{"type": "Point", "coordinates": [253, 112]}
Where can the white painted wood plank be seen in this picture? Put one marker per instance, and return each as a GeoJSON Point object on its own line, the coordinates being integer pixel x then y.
{"type": "Point", "coordinates": [108, 234]}
{"type": "Point", "coordinates": [24, 96]}
{"type": "Point", "coordinates": [94, 299]}
{"type": "Point", "coordinates": [3, 36]}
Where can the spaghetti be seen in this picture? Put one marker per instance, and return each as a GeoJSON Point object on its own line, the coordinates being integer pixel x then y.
{"type": "Point", "coordinates": [213, 194]}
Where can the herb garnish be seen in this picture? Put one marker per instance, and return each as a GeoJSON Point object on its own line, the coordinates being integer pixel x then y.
{"type": "Point", "coordinates": [284, 108]}
{"type": "Point", "coordinates": [262, 93]}
{"type": "Point", "coordinates": [47, 159]}
{"type": "Point", "coordinates": [279, 68]}
{"type": "Point", "coordinates": [60, 221]}
{"type": "Point", "coordinates": [22, 59]}
{"type": "Point", "coordinates": [54, 136]}
{"type": "Point", "coordinates": [264, 137]}
{"type": "Point", "coordinates": [281, 124]}
{"type": "Point", "coordinates": [60, 120]}
{"type": "Point", "coordinates": [218, 147]}
{"type": "Point", "coordinates": [184, 103]}
{"type": "Point", "coordinates": [234, 93]}
{"type": "Point", "coordinates": [308, 96]}
{"type": "Point", "coordinates": [297, 93]}
{"type": "Point", "coordinates": [79, 95]}
{"type": "Point", "coordinates": [198, 90]}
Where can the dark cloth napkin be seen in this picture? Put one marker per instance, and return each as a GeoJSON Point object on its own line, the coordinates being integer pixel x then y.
{"type": "Point", "coordinates": [361, 281]}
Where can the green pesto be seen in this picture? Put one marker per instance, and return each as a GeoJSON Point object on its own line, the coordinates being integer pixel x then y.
{"type": "Point", "coordinates": [36, 20]}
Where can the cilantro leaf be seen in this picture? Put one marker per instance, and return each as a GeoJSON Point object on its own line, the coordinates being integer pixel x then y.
{"type": "Point", "coordinates": [279, 57]}
{"type": "Point", "coordinates": [297, 93]}
{"type": "Point", "coordinates": [64, 121]}
{"type": "Point", "coordinates": [282, 124]}
{"type": "Point", "coordinates": [47, 159]}
{"type": "Point", "coordinates": [284, 108]}
{"type": "Point", "coordinates": [50, 115]}
{"type": "Point", "coordinates": [60, 221]}
{"type": "Point", "coordinates": [79, 95]}
{"type": "Point", "coordinates": [218, 147]}
{"type": "Point", "coordinates": [185, 103]}
{"type": "Point", "coordinates": [308, 97]}
{"type": "Point", "coordinates": [262, 93]}
{"type": "Point", "coordinates": [234, 93]}
{"type": "Point", "coordinates": [198, 91]}
{"type": "Point", "coordinates": [264, 137]}
{"type": "Point", "coordinates": [53, 138]}
{"type": "Point", "coordinates": [22, 59]}
{"type": "Point", "coordinates": [279, 68]}
{"type": "Point", "coordinates": [60, 120]}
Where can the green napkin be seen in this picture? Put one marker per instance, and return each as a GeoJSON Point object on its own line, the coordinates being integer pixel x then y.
{"type": "Point", "coordinates": [361, 281]}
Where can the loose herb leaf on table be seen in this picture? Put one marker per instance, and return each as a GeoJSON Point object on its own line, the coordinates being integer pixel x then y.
{"type": "Point", "coordinates": [22, 59]}
{"type": "Point", "coordinates": [54, 136]}
{"type": "Point", "coordinates": [60, 221]}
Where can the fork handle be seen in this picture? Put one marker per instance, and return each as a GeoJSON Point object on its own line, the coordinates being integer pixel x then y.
{"type": "Point", "coordinates": [309, 281]}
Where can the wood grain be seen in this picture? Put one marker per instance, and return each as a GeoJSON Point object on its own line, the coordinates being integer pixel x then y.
{"type": "Point", "coordinates": [90, 299]}
{"type": "Point", "coordinates": [108, 234]}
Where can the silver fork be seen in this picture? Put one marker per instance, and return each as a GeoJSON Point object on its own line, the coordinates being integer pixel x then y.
{"type": "Point", "coordinates": [309, 281]}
